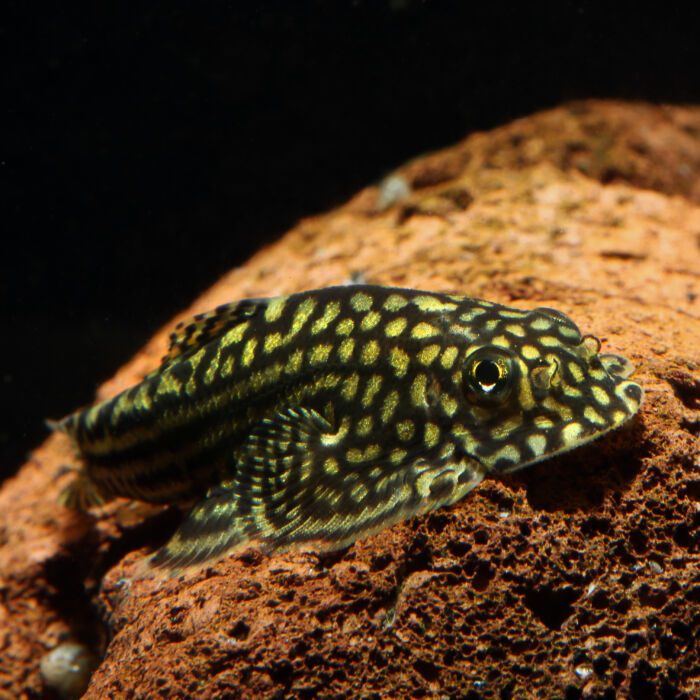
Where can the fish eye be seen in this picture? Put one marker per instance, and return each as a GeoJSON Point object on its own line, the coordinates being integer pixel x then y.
{"type": "Point", "coordinates": [487, 373]}
{"type": "Point", "coordinates": [491, 374]}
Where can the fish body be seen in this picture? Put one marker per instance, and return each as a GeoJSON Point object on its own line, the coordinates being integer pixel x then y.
{"type": "Point", "coordinates": [324, 416]}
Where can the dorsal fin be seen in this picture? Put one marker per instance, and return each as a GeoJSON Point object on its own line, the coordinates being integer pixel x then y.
{"type": "Point", "coordinates": [205, 327]}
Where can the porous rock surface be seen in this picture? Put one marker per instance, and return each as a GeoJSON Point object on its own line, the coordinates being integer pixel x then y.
{"type": "Point", "coordinates": [575, 578]}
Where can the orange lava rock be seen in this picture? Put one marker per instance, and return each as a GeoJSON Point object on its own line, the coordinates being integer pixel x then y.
{"type": "Point", "coordinates": [578, 577]}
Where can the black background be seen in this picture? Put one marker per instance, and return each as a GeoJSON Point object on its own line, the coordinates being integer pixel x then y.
{"type": "Point", "coordinates": [150, 147]}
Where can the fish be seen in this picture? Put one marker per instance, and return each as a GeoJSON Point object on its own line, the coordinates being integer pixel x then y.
{"type": "Point", "coordinates": [318, 418]}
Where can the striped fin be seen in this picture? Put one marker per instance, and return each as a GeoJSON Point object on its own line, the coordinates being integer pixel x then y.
{"type": "Point", "coordinates": [191, 335]}
{"type": "Point", "coordinates": [82, 494]}
{"type": "Point", "coordinates": [254, 505]}
{"type": "Point", "coordinates": [283, 496]}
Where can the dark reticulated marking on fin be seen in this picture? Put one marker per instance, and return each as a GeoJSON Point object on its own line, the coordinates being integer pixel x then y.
{"type": "Point", "coordinates": [322, 417]}
{"type": "Point", "coordinates": [287, 491]}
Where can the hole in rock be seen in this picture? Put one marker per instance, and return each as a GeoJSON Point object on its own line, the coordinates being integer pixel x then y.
{"type": "Point", "coordinates": [552, 606]}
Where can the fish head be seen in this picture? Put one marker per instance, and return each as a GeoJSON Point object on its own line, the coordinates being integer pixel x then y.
{"type": "Point", "coordinates": [533, 386]}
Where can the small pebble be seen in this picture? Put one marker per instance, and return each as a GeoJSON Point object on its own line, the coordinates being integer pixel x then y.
{"type": "Point", "coordinates": [67, 670]}
{"type": "Point", "coordinates": [392, 189]}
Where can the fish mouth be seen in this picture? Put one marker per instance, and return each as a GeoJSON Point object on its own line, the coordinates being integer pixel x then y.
{"type": "Point", "coordinates": [541, 438]}
{"type": "Point", "coordinates": [580, 432]}
{"type": "Point", "coordinates": [572, 403]}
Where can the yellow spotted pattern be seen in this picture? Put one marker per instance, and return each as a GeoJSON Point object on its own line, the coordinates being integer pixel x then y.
{"type": "Point", "coordinates": [346, 348]}
{"type": "Point", "coordinates": [400, 361]}
{"type": "Point", "coordinates": [322, 416]}
{"type": "Point", "coordinates": [395, 327]}
{"type": "Point", "coordinates": [329, 314]}
{"type": "Point", "coordinates": [370, 320]}
{"type": "Point", "coordinates": [374, 383]}
{"type": "Point", "coordinates": [427, 355]}
{"type": "Point", "coordinates": [370, 352]}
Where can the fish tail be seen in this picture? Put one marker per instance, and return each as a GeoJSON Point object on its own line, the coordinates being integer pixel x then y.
{"type": "Point", "coordinates": [82, 494]}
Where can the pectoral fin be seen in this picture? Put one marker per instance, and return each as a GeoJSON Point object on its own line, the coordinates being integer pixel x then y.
{"type": "Point", "coordinates": [292, 488]}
